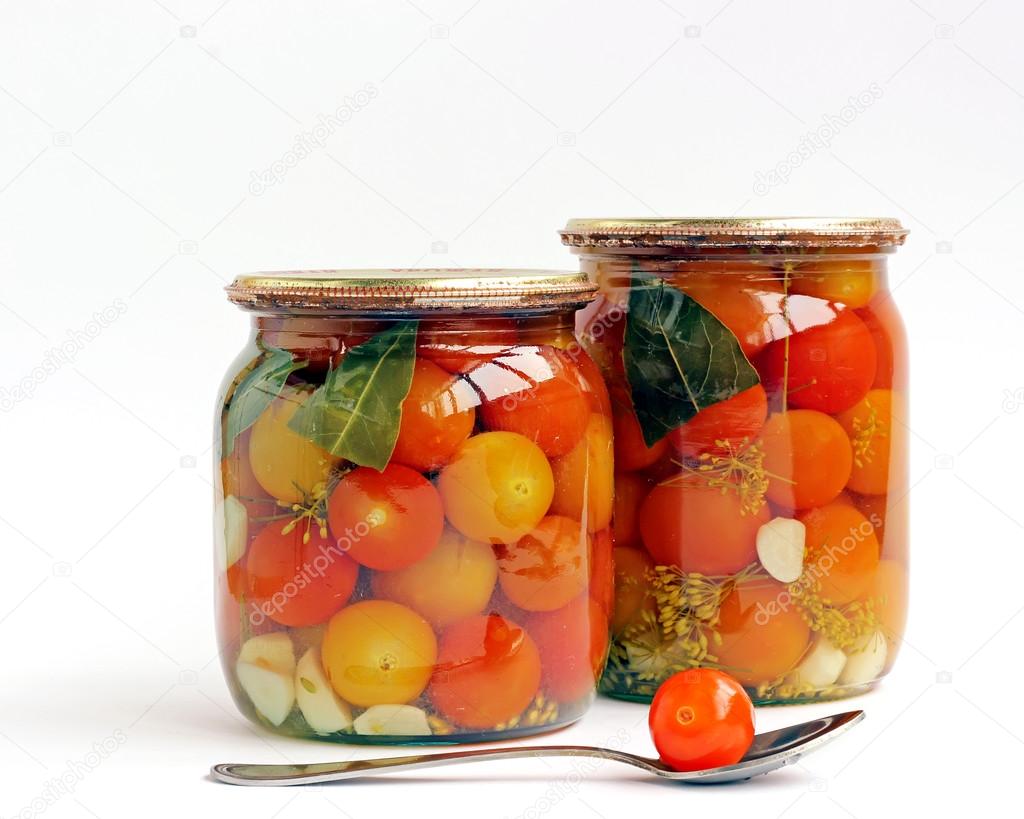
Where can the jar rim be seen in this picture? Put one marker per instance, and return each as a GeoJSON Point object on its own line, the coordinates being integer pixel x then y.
{"type": "Point", "coordinates": [736, 231]}
{"type": "Point", "coordinates": [411, 289]}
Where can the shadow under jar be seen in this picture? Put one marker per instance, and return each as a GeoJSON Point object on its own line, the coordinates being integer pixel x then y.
{"type": "Point", "coordinates": [413, 506]}
{"type": "Point", "coordinates": [757, 370]}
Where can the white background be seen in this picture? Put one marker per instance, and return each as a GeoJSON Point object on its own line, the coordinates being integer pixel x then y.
{"type": "Point", "coordinates": [129, 136]}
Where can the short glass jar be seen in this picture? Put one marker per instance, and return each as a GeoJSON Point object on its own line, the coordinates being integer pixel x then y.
{"type": "Point", "coordinates": [757, 369]}
{"type": "Point", "coordinates": [414, 500]}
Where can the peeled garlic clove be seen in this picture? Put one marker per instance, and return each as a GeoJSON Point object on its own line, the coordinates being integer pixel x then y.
{"type": "Point", "coordinates": [272, 650]}
{"type": "Point", "coordinates": [236, 531]}
{"type": "Point", "coordinates": [392, 720]}
{"type": "Point", "coordinates": [821, 667]}
{"type": "Point", "coordinates": [272, 692]}
{"type": "Point", "coordinates": [265, 670]}
{"type": "Point", "coordinates": [780, 548]}
{"type": "Point", "coordinates": [864, 663]}
{"type": "Point", "coordinates": [323, 710]}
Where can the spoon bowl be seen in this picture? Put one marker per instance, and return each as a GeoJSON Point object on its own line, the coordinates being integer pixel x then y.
{"type": "Point", "coordinates": [769, 751]}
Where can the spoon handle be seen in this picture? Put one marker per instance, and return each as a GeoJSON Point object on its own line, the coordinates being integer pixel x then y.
{"type": "Point", "coordinates": [246, 774]}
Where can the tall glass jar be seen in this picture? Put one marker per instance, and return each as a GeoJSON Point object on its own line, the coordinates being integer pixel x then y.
{"type": "Point", "coordinates": [413, 501]}
{"type": "Point", "coordinates": [757, 369]}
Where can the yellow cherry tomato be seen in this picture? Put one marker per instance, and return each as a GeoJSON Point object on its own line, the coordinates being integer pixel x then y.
{"type": "Point", "coordinates": [285, 463]}
{"type": "Point", "coordinates": [497, 487]}
{"type": "Point", "coordinates": [584, 477]}
{"type": "Point", "coordinates": [452, 582]}
{"type": "Point", "coordinates": [377, 652]}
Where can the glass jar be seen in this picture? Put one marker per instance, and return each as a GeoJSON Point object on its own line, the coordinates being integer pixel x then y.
{"type": "Point", "coordinates": [413, 506]}
{"type": "Point", "coordinates": [757, 369]}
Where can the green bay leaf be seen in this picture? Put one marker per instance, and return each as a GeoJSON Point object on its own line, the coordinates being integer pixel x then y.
{"type": "Point", "coordinates": [679, 357]}
{"type": "Point", "coordinates": [254, 393]}
{"type": "Point", "coordinates": [356, 413]}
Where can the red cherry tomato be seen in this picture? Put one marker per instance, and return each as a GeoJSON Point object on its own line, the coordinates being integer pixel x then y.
{"type": "Point", "coordinates": [488, 670]}
{"type": "Point", "coordinates": [701, 718]}
{"type": "Point", "coordinates": [831, 366]}
{"type": "Point", "coordinates": [572, 642]}
{"type": "Point", "coordinates": [296, 583]}
{"type": "Point", "coordinates": [733, 420]}
{"type": "Point", "coordinates": [536, 392]}
{"type": "Point", "coordinates": [699, 528]}
{"type": "Point", "coordinates": [385, 520]}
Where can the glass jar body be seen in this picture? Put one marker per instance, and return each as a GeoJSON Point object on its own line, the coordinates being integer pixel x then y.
{"type": "Point", "coordinates": [760, 407]}
{"type": "Point", "coordinates": [413, 526]}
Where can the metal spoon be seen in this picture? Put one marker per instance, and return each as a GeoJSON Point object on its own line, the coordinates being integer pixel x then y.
{"type": "Point", "coordinates": [769, 751]}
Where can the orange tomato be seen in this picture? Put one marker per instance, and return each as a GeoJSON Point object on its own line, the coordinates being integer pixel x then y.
{"type": "Point", "coordinates": [460, 344]}
{"type": "Point", "coordinates": [438, 414]}
{"type": "Point", "coordinates": [602, 571]}
{"type": "Point", "coordinates": [842, 551]}
{"type": "Point", "coordinates": [699, 529]}
{"type": "Point", "coordinates": [807, 458]}
{"type": "Point", "coordinates": [886, 327]}
{"type": "Point", "coordinates": [546, 568]}
{"type": "Point", "coordinates": [584, 477]}
{"type": "Point", "coordinates": [631, 453]}
{"type": "Point", "coordinates": [385, 520]}
{"type": "Point", "coordinates": [497, 487]}
{"type": "Point", "coordinates": [828, 367]}
{"type": "Point", "coordinates": [630, 491]}
{"type": "Point", "coordinates": [733, 421]}
{"type": "Point", "coordinates": [632, 588]}
{"type": "Point", "coordinates": [852, 282]}
{"type": "Point", "coordinates": [572, 642]}
{"type": "Point", "coordinates": [537, 393]}
{"type": "Point", "coordinates": [488, 671]}
{"type": "Point", "coordinates": [296, 583]}
{"type": "Point", "coordinates": [763, 633]}
{"type": "Point", "coordinates": [888, 593]}
{"type": "Point", "coordinates": [376, 652]}
{"type": "Point", "coordinates": [746, 306]}
{"type": "Point", "coordinates": [869, 425]}
{"type": "Point", "coordinates": [591, 380]}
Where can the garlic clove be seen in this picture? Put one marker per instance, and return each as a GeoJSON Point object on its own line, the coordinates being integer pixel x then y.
{"type": "Point", "coordinates": [392, 720]}
{"type": "Point", "coordinates": [265, 670]}
{"type": "Point", "coordinates": [272, 650]}
{"type": "Point", "coordinates": [780, 548]}
{"type": "Point", "coordinates": [821, 667]}
{"type": "Point", "coordinates": [236, 531]}
{"type": "Point", "coordinates": [865, 662]}
{"type": "Point", "coordinates": [272, 692]}
{"type": "Point", "coordinates": [323, 710]}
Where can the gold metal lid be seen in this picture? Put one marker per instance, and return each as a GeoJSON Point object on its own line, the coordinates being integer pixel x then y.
{"type": "Point", "coordinates": [410, 290]}
{"type": "Point", "coordinates": [732, 232]}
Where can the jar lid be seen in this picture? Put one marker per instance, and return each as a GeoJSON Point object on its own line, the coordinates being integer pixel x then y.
{"type": "Point", "coordinates": [775, 232]}
{"type": "Point", "coordinates": [401, 290]}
